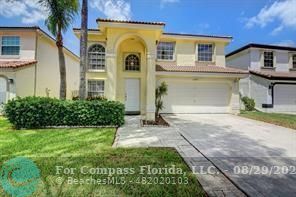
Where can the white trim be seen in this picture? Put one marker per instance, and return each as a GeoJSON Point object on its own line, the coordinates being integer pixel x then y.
{"type": "Point", "coordinates": [200, 74]}
{"type": "Point", "coordinates": [197, 38]}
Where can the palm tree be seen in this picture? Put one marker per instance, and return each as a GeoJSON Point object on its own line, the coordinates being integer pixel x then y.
{"type": "Point", "coordinates": [83, 49]}
{"type": "Point", "coordinates": [61, 14]}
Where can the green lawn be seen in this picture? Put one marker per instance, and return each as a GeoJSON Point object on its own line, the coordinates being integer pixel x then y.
{"type": "Point", "coordinates": [284, 120]}
{"type": "Point", "coordinates": [91, 148]}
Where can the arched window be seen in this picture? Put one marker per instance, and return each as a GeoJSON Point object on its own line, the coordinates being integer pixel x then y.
{"type": "Point", "coordinates": [132, 62]}
{"type": "Point", "coordinates": [96, 57]}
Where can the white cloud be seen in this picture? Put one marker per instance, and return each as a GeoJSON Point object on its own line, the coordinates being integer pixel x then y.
{"type": "Point", "coordinates": [29, 10]}
{"type": "Point", "coordinates": [113, 9]}
{"type": "Point", "coordinates": [169, 1]}
{"type": "Point", "coordinates": [289, 43]}
{"type": "Point", "coordinates": [202, 28]}
{"type": "Point", "coordinates": [164, 2]}
{"type": "Point", "coordinates": [281, 11]}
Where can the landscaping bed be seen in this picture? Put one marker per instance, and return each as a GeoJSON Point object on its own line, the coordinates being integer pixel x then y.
{"type": "Point", "coordinates": [160, 121]}
{"type": "Point", "coordinates": [284, 120]}
{"type": "Point", "coordinates": [91, 147]}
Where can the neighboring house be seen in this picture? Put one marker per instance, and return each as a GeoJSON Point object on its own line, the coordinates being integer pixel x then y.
{"type": "Point", "coordinates": [128, 59]}
{"type": "Point", "coordinates": [29, 64]}
{"type": "Point", "coordinates": [272, 79]}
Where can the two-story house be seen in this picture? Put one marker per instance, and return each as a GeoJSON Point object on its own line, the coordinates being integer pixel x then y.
{"type": "Point", "coordinates": [29, 64]}
{"type": "Point", "coordinates": [128, 59]}
{"type": "Point", "coordinates": [272, 79]}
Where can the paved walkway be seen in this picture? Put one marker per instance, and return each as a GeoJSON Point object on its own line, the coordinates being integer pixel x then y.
{"type": "Point", "coordinates": [133, 135]}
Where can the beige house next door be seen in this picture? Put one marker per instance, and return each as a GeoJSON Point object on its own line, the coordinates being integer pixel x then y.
{"type": "Point", "coordinates": [132, 96]}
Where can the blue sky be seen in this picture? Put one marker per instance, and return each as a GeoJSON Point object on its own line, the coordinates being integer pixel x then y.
{"type": "Point", "coordinates": [260, 21]}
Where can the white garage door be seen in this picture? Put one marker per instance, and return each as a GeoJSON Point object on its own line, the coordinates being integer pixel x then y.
{"type": "Point", "coordinates": [188, 96]}
{"type": "Point", "coordinates": [285, 98]}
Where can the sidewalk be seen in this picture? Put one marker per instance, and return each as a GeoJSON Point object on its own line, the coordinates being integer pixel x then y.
{"type": "Point", "coordinates": [133, 135]}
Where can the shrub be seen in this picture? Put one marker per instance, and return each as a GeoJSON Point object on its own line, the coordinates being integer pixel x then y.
{"type": "Point", "coordinates": [160, 91]}
{"type": "Point", "coordinates": [39, 112]}
{"type": "Point", "coordinates": [249, 103]}
{"type": "Point", "coordinates": [96, 98]}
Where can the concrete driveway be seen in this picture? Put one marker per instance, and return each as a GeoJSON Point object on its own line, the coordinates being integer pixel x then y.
{"type": "Point", "coordinates": [258, 157]}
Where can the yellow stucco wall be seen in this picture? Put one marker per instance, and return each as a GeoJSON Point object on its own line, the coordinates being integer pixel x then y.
{"type": "Point", "coordinates": [120, 41]}
{"type": "Point", "coordinates": [24, 80]}
{"type": "Point", "coordinates": [186, 52]}
{"type": "Point", "coordinates": [48, 77]}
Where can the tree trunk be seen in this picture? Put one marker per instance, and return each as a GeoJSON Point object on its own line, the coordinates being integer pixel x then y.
{"type": "Point", "coordinates": [62, 64]}
{"type": "Point", "coordinates": [83, 49]}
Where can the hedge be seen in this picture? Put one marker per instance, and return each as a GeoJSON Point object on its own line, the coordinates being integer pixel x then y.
{"type": "Point", "coordinates": [40, 112]}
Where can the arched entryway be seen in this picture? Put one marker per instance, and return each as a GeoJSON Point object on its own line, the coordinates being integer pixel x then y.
{"type": "Point", "coordinates": [132, 73]}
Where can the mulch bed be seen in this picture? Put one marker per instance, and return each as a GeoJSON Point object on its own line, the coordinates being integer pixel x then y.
{"type": "Point", "coordinates": [159, 122]}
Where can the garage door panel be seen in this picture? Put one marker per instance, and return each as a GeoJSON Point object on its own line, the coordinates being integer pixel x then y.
{"type": "Point", "coordinates": [197, 97]}
{"type": "Point", "coordinates": [285, 98]}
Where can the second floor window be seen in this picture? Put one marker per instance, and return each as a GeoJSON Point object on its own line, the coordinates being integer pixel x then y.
{"type": "Point", "coordinates": [10, 45]}
{"type": "Point", "coordinates": [96, 57]}
{"type": "Point", "coordinates": [165, 51]}
{"type": "Point", "coordinates": [205, 52]}
{"type": "Point", "coordinates": [132, 62]}
{"type": "Point", "coordinates": [294, 61]}
{"type": "Point", "coordinates": [268, 59]}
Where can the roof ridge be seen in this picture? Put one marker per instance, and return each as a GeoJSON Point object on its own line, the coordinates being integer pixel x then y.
{"type": "Point", "coordinates": [129, 21]}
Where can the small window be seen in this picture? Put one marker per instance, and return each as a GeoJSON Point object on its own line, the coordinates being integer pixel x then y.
{"type": "Point", "coordinates": [205, 52]}
{"type": "Point", "coordinates": [10, 45]}
{"type": "Point", "coordinates": [268, 59]}
{"type": "Point", "coordinates": [96, 57]}
{"type": "Point", "coordinates": [95, 88]}
{"type": "Point", "coordinates": [132, 62]}
{"type": "Point", "coordinates": [165, 51]}
{"type": "Point", "coordinates": [294, 61]}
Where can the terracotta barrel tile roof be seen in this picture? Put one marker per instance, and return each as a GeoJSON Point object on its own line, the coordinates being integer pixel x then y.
{"type": "Point", "coordinates": [199, 68]}
{"type": "Point", "coordinates": [132, 22]}
{"type": "Point", "coordinates": [16, 63]}
{"type": "Point", "coordinates": [270, 74]}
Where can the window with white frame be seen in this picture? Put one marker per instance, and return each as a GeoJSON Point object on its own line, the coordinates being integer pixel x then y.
{"type": "Point", "coordinates": [205, 52]}
{"type": "Point", "coordinates": [294, 61]}
{"type": "Point", "coordinates": [132, 62]}
{"type": "Point", "coordinates": [96, 57]}
{"type": "Point", "coordinates": [268, 59]}
{"type": "Point", "coordinates": [165, 50]}
{"type": "Point", "coordinates": [95, 88]}
{"type": "Point", "coordinates": [10, 45]}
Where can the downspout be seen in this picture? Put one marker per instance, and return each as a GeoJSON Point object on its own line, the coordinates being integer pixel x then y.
{"type": "Point", "coordinates": [35, 71]}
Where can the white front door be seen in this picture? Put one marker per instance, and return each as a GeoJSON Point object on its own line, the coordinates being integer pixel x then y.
{"type": "Point", "coordinates": [132, 95]}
